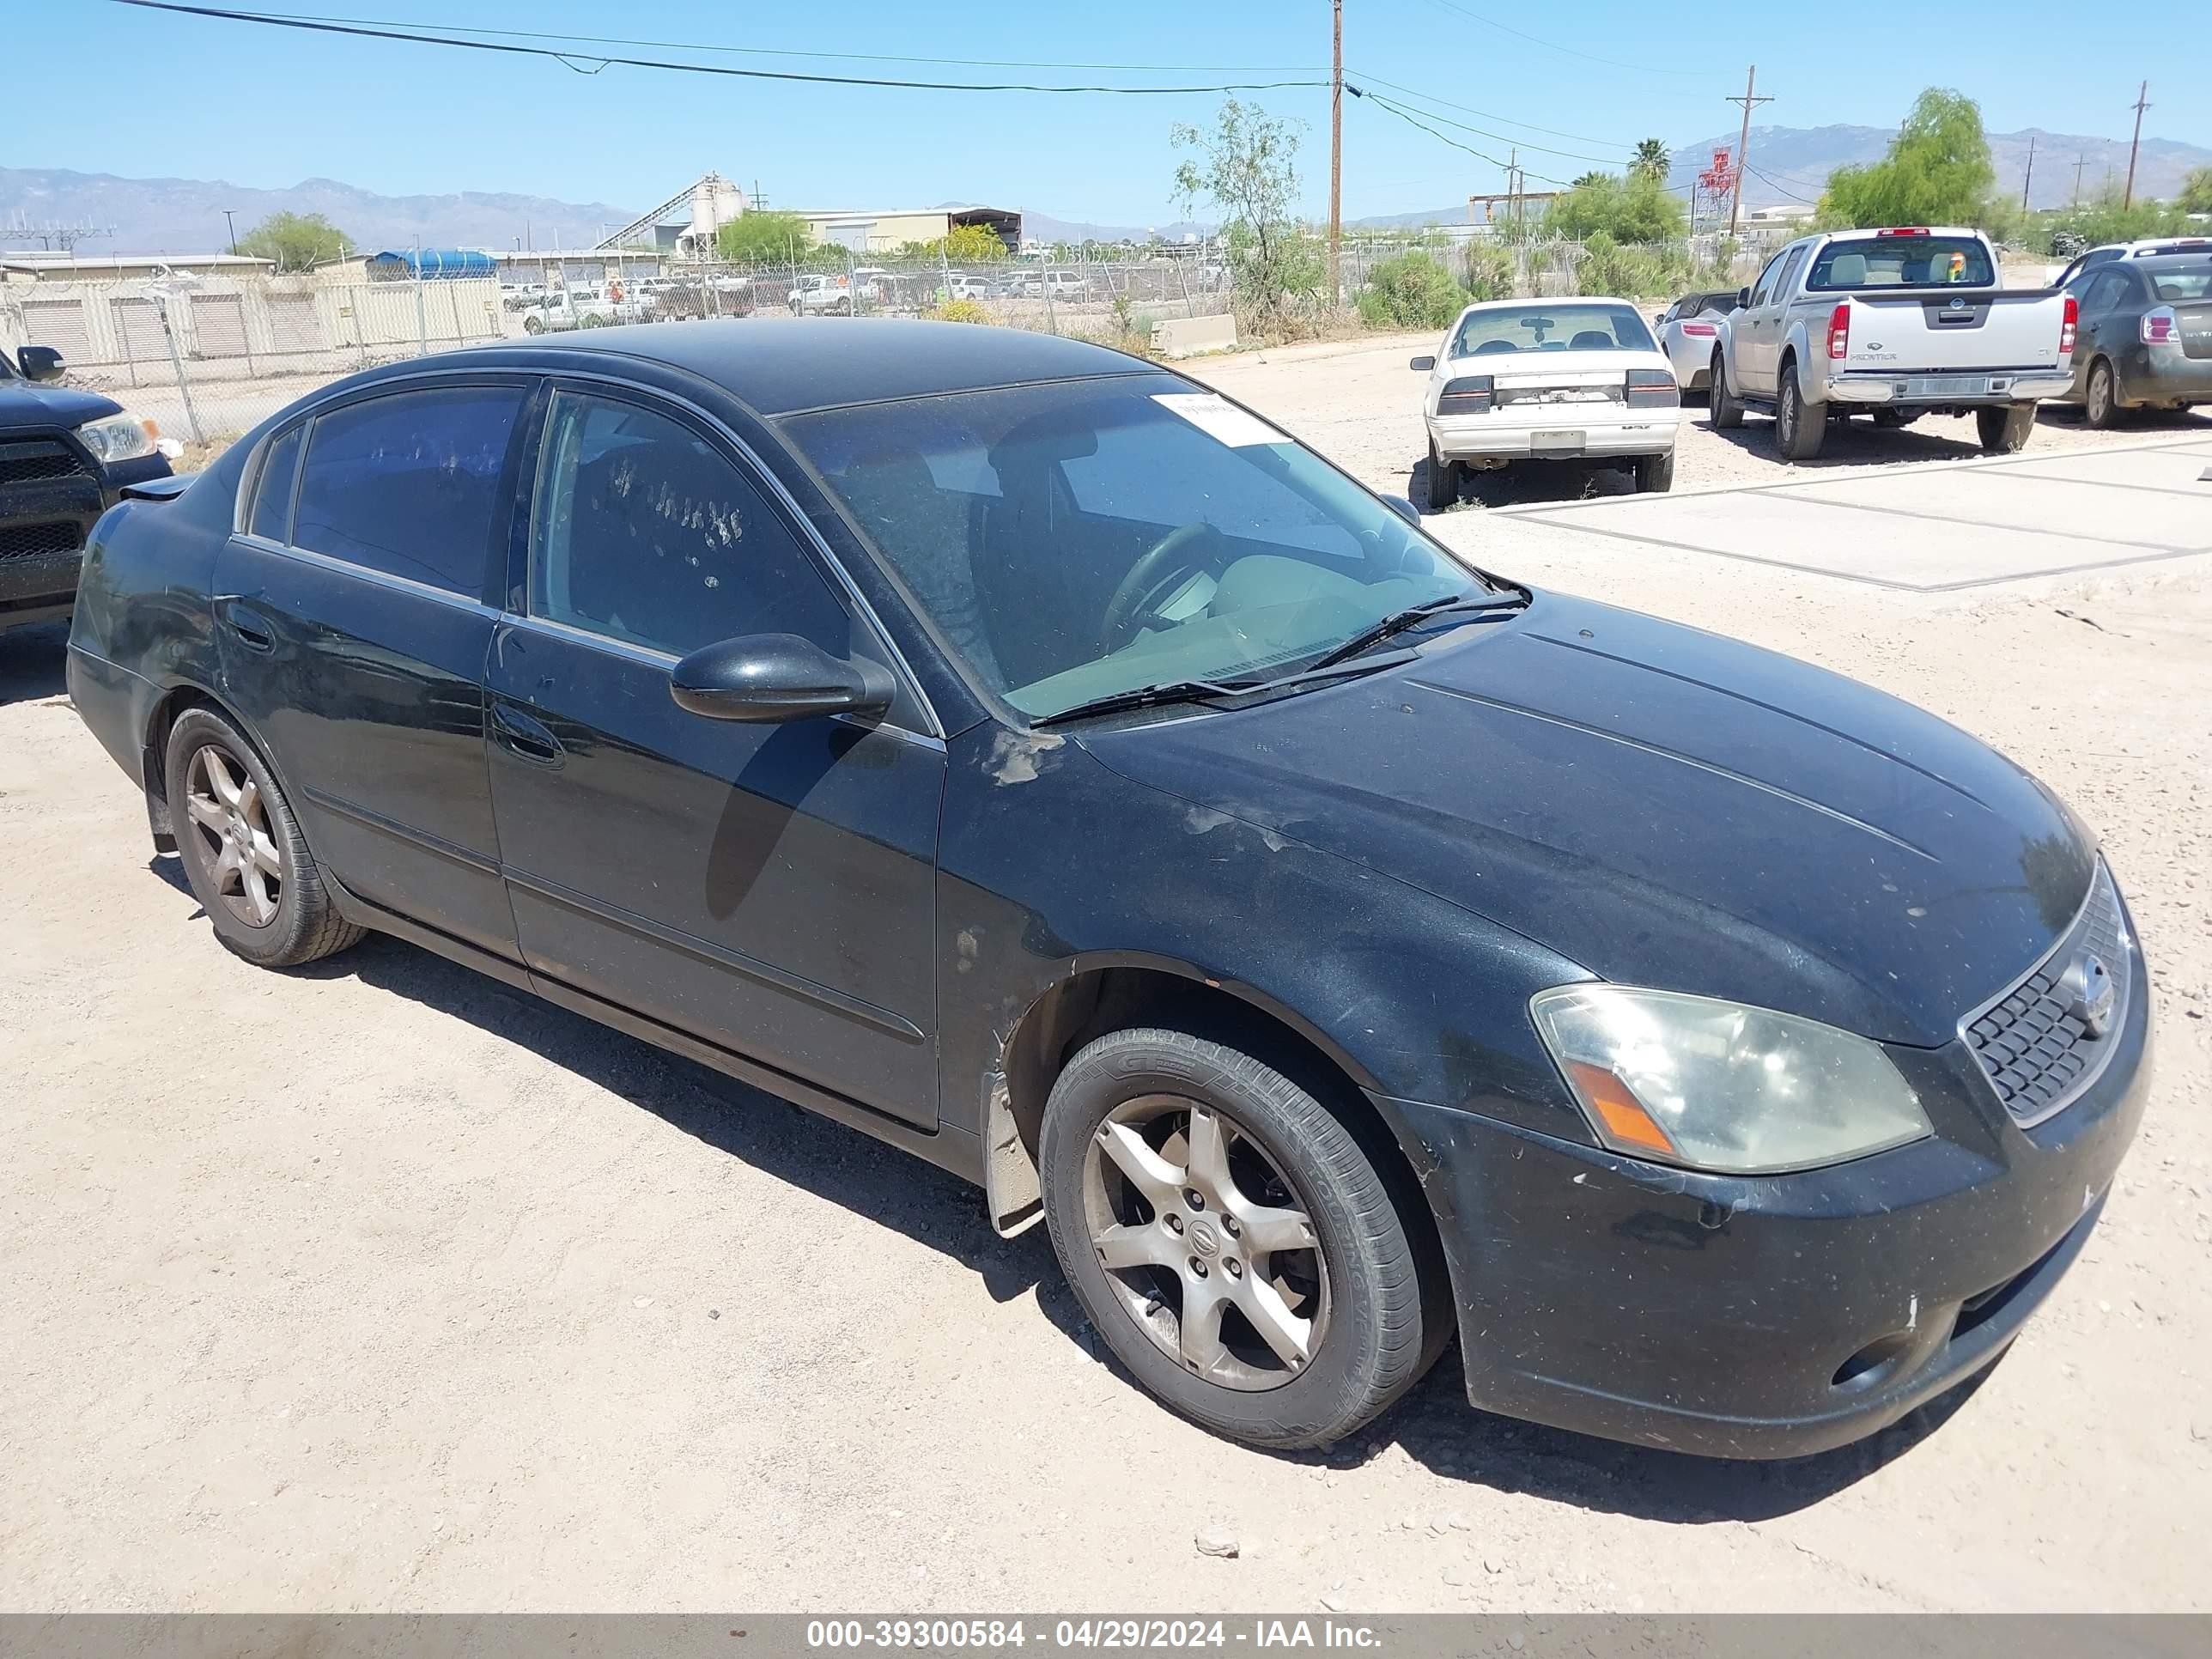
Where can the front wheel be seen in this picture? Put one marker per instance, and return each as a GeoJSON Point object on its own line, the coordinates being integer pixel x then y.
{"type": "Point", "coordinates": [2005, 430]}
{"type": "Point", "coordinates": [533, 325]}
{"type": "Point", "coordinates": [1726, 409]}
{"type": "Point", "coordinates": [1230, 1240]}
{"type": "Point", "coordinates": [1654, 473]}
{"type": "Point", "coordinates": [244, 855]}
{"type": "Point", "coordinates": [1799, 427]}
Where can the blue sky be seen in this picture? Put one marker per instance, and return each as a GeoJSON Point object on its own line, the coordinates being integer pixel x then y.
{"type": "Point", "coordinates": [155, 95]}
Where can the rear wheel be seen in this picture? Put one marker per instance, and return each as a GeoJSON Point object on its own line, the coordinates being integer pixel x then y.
{"type": "Point", "coordinates": [533, 325]}
{"type": "Point", "coordinates": [1445, 478]}
{"type": "Point", "coordinates": [1655, 472]}
{"type": "Point", "coordinates": [1727, 409]}
{"type": "Point", "coordinates": [1230, 1240]}
{"type": "Point", "coordinates": [2101, 398]}
{"type": "Point", "coordinates": [2005, 430]}
{"type": "Point", "coordinates": [1799, 427]}
{"type": "Point", "coordinates": [243, 853]}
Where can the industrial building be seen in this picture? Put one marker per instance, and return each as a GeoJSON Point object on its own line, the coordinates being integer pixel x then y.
{"type": "Point", "coordinates": [687, 224]}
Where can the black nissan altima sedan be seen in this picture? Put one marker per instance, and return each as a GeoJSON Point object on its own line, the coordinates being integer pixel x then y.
{"type": "Point", "coordinates": [1020, 752]}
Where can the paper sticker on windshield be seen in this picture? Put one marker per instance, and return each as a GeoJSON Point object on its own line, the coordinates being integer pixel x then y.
{"type": "Point", "coordinates": [1219, 419]}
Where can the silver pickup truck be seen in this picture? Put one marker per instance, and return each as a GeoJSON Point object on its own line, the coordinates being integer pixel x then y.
{"type": "Point", "coordinates": [1899, 323]}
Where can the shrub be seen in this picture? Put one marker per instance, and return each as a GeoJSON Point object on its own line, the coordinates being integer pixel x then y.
{"type": "Point", "coordinates": [957, 311]}
{"type": "Point", "coordinates": [1410, 291]}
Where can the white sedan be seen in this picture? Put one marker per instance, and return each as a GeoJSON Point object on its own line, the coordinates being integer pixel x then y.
{"type": "Point", "coordinates": [1549, 380]}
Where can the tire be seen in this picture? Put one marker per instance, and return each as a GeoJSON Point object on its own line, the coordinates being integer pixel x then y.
{"type": "Point", "coordinates": [208, 759]}
{"type": "Point", "coordinates": [1349, 1297]}
{"type": "Point", "coordinates": [2005, 431]}
{"type": "Point", "coordinates": [1655, 474]}
{"type": "Point", "coordinates": [533, 325]}
{"type": "Point", "coordinates": [2100, 397]}
{"type": "Point", "coordinates": [1445, 478]}
{"type": "Point", "coordinates": [1799, 427]}
{"type": "Point", "coordinates": [1727, 410]}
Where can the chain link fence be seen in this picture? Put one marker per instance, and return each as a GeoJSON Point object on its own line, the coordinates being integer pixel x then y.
{"type": "Point", "coordinates": [208, 358]}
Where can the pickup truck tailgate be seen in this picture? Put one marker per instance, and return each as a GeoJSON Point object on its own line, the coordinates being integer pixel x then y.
{"type": "Point", "coordinates": [1932, 331]}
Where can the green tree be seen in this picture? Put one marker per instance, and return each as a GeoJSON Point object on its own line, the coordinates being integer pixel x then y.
{"type": "Point", "coordinates": [1635, 209]}
{"type": "Point", "coordinates": [965, 244]}
{"type": "Point", "coordinates": [1937, 172]}
{"type": "Point", "coordinates": [296, 241]}
{"type": "Point", "coordinates": [1651, 161]}
{"type": "Point", "coordinates": [1243, 168]}
{"type": "Point", "coordinates": [2196, 190]}
{"type": "Point", "coordinates": [764, 236]}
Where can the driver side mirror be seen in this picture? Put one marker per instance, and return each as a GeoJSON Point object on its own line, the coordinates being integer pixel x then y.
{"type": "Point", "coordinates": [1743, 298]}
{"type": "Point", "coordinates": [40, 362]}
{"type": "Point", "coordinates": [1422, 365]}
{"type": "Point", "coordinates": [772, 678]}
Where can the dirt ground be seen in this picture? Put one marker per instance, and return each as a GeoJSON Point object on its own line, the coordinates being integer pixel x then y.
{"type": "Point", "coordinates": [379, 1286]}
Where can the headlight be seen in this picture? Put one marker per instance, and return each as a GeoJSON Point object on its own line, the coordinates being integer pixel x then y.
{"type": "Point", "coordinates": [1720, 1086]}
{"type": "Point", "coordinates": [119, 438]}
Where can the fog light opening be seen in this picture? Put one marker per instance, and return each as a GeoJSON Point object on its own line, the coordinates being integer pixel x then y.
{"type": "Point", "coordinates": [1873, 1365]}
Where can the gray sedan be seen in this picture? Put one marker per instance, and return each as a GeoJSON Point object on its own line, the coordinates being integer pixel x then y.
{"type": "Point", "coordinates": [2144, 337]}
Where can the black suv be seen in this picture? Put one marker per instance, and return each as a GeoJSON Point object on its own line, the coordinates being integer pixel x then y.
{"type": "Point", "coordinates": [65, 457]}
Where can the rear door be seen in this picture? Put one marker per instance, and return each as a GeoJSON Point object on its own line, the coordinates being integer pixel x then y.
{"type": "Point", "coordinates": [352, 625]}
{"type": "Point", "coordinates": [769, 888]}
{"type": "Point", "coordinates": [2111, 304]}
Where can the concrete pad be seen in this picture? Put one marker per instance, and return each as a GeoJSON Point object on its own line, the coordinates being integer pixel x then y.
{"type": "Point", "coordinates": [2027, 498]}
{"type": "Point", "coordinates": [2173, 466]}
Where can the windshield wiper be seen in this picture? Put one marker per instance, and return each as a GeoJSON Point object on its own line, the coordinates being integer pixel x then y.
{"type": "Point", "coordinates": [1146, 697]}
{"type": "Point", "coordinates": [1412, 616]}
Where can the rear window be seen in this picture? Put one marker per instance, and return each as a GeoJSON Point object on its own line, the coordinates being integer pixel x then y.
{"type": "Point", "coordinates": [407, 484]}
{"type": "Point", "coordinates": [2181, 279]}
{"type": "Point", "coordinates": [1538, 326]}
{"type": "Point", "coordinates": [1901, 262]}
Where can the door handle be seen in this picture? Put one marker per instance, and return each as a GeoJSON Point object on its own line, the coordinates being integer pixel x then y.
{"type": "Point", "coordinates": [526, 736]}
{"type": "Point", "coordinates": [252, 629]}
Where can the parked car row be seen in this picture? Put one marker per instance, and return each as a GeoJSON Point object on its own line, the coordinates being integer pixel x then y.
{"type": "Point", "coordinates": [1022, 754]}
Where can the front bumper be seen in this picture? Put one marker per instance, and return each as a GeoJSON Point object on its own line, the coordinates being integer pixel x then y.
{"type": "Point", "coordinates": [43, 523]}
{"type": "Point", "coordinates": [1768, 1316]}
{"type": "Point", "coordinates": [1599, 432]}
{"type": "Point", "coordinates": [1909, 390]}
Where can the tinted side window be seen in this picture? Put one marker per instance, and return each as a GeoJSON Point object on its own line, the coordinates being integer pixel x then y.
{"type": "Point", "coordinates": [1759, 289]}
{"type": "Point", "coordinates": [272, 496]}
{"type": "Point", "coordinates": [644, 532]}
{"type": "Point", "coordinates": [1787, 274]}
{"type": "Point", "coordinates": [2106, 289]}
{"type": "Point", "coordinates": [408, 483]}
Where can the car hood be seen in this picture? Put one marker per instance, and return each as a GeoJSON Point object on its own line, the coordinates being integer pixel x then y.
{"type": "Point", "coordinates": [35, 403]}
{"type": "Point", "coordinates": [1667, 808]}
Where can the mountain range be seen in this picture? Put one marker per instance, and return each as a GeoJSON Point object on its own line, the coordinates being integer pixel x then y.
{"type": "Point", "coordinates": [186, 216]}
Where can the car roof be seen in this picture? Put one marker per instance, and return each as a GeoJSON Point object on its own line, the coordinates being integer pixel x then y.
{"type": "Point", "coordinates": [778, 366]}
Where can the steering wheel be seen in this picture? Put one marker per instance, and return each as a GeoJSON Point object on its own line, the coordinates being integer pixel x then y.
{"type": "Point", "coordinates": [1166, 565]}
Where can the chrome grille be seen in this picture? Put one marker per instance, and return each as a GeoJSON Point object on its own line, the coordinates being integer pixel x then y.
{"type": "Point", "coordinates": [2034, 1042]}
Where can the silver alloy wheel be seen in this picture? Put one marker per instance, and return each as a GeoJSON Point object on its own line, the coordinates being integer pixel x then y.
{"type": "Point", "coordinates": [230, 831]}
{"type": "Point", "coordinates": [1206, 1242]}
{"type": "Point", "coordinates": [2099, 400]}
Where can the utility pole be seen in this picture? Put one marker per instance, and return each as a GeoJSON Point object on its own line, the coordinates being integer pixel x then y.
{"type": "Point", "coordinates": [1336, 158]}
{"type": "Point", "coordinates": [233, 228]}
{"type": "Point", "coordinates": [2143, 103]}
{"type": "Point", "coordinates": [2079, 161]}
{"type": "Point", "coordinates": [2028, 178]}
{"type": "Point", "coordinates": [1743, 143]}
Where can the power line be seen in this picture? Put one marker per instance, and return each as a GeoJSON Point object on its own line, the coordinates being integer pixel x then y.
{"type": "Point", "coordinates": [1570, 51]}
{"type": "Point", "coordinates": [1505, 138]}
{"type": "Point", "coordinates": [576, 60]}
{"type": "Point", "coordinates": [1491, 115]}
{"type": "Point", "coordinates": [1806, 201]}
{"type": "Point", "coordinates": [780, 51]}
{"type": "Point", "coordinates": [1412, 118]}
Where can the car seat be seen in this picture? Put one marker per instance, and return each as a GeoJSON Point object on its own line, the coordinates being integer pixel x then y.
{"type": "Point", "coordinates": [1591, 339]}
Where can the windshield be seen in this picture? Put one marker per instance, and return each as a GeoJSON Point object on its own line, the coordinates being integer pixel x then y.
{"type": "Point", "coordinates": [1901, 262]}
{"type": "Point", "coordinates": [1541, 325]}
{"type": "Point", "coordinates": [1078, 540]}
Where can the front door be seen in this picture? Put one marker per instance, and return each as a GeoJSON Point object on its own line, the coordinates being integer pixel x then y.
{"type": "Point", "coordinates": [769, 888]}
{"type": "Point", "coordinates": [352, 627]}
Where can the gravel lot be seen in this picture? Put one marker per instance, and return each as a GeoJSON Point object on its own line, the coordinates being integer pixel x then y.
{"type": "Point", "coordinates": [381, 1286]}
